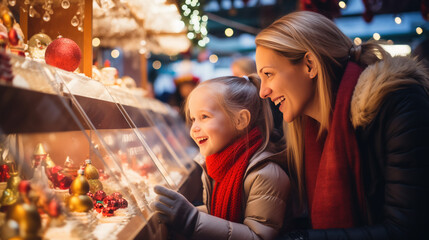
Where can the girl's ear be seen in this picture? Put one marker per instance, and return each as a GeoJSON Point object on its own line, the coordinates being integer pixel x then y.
{"type": "Point", "coordinates": [310, 63]}
{"type": "Point", "coordinates": [243, 119]}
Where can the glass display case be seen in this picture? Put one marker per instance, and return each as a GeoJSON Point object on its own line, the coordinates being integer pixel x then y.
{"type": "Point", "coordinates": [64, 126]}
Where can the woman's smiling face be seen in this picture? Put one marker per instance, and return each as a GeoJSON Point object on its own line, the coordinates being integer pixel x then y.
{"type": "Point", "coordinates": [212, 129]}
{"type": "Point", "coordinates": [287, 85]}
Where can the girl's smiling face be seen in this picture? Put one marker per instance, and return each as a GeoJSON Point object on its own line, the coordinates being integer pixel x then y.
{"type": "Point", "coordinates": [286, 84]}
{"type": "Point", "coordinates": [212, 129]}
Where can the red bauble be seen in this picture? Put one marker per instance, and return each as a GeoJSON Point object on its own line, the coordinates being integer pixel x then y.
{"type": "Point", "coordinates": [122, 203]}
{"type": "Point", "coordinates": [24, 187]}
{"type": "Point", "coordinates": [64, 181]}
{"type": "Point", "coordinates": [116, 195]}
{"type": "Point", "coordinates": [113, 204]}
{"type": "Point", "coordinates": [98, 207]}
{"type": "Point", "coordinates": [99, 195]}
{"type": "Point", "coordinates": [108, 212]}
{"type": "Point", "coordinates": [13, 37]}
{"type": "Point", "coordinates": [90, 194]}
{"type": "Point", "coordinates": [107, 199]}
{"type": "Point", "coordinates": [63, 53]}
{"type": "Point", "coordinates": [54, 208]}
{"type": "Point", "coordinates": [4, 173]}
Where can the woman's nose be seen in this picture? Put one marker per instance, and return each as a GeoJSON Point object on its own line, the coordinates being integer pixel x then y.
{"type": "Point", "coordinates": [264, 92]}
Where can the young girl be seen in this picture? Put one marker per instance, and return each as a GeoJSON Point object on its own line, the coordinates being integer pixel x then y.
{"type": "Point", "coordinates": [245, 190]}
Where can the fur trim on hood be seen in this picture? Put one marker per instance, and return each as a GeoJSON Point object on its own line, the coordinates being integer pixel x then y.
{"type": "Point", "coordinates": [379, 80]}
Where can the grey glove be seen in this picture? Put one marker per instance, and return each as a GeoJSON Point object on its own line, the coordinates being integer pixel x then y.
{"type": "Point", "coordinates": [175, 210]}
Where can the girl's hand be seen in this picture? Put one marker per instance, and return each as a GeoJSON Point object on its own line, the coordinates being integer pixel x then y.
{"type": "Point", "coordinates": [175, 210]}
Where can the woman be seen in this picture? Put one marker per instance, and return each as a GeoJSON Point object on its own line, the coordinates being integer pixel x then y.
{"type": "Point", "coordinates": [357, 129]}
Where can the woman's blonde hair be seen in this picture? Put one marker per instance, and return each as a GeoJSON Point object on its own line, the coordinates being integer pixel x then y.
{"type": "Point", "coordinates": [237, 93]}
{"type": "Point", "coordinates": [303, 32]}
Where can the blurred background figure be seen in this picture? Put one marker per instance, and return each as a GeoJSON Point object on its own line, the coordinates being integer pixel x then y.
{"type": "Point", "coordinates": [184, 85]}
{"type": "Point", "coordinates": [243, 66]}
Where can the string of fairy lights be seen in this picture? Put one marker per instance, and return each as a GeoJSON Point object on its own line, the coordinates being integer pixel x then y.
{"type": "Point", "coordinates": [192, 15]}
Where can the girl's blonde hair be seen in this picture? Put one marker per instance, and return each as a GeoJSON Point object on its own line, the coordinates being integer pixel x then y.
{"type": "Point", "coordinates": [237, 93]}
{"type": "Point", "coordinates": [303, 32]}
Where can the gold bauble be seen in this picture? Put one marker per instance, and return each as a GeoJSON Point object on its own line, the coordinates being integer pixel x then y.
{"type": "Point", "coordinates": [10, 194]}
{"type": "Point", "coordinates": [79, 185]}
{"type": "Point", "coordinates": [28, 219]}
{"type": "Point", "coordinates": [95, 185]}
{"type": "Point", "coordinates": [90, 171]}
{"type": "Point", "coordinates": [80, 203]}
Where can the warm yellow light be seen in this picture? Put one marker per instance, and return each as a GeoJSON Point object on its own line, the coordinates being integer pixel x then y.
{"type": "Point", "coordinates": [156, 64]}
{"type": "Point", "coordinates": [398, 20]}
{"type": "Point", "coordinates": [376, 36]}
{"type": "Point", "coordinates": [357, 41]}
{"type": "Point", "coordinates": [229, 32]}
{"type": "Point", "coordinates": [96, 42]}
{"type": "Point", "coordinates": [142, 51]}
{"type": "Point", "coordinates": [419, 30]}
{"type": "Point", "coordinates": [213, 58]}
{"type": "Point", "coordinates": [342, 4]}
{"type": "Point", "coordinates": [115, 53]}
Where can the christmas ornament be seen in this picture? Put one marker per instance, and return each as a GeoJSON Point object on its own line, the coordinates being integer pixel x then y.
{"type": "Point", "coordinates": [25, 214]}
{"type": "Point", "coordinates": [79, 201]}
{"type": "Point", "coordinates": [49, 162]}
{"type": "Point", "coordinates": [91, 174]}
{"type": "Point", "coordinates": [58, 178]}
{"type": "Point", "coordinates": [39, 155]}
{"type": "Point", "coordinates": [10, 194]}
{"type": "Point", "coordinates": [90, 194]}
{"type": "Point", "coordinates": [70, 168]}
{"type": "Point", "coordinates": [98, 207]}
{"type": "Point", "coordinates": [107, 199]}
{"type": "Point", "coordinates": [90, 171]}
{"type": "Point", "coordinates": [122, 203]}
{"type": "Point", "coordinates": [3, 40]}
{"type": "Point", "coordinates": [113, 204]}
{"type": "Point", "coordinates": [99, 195]}
{"type": "Point", "coordinates": [13, 37]}
{"type": "Point", "coordinates": [108, 211]}
{"type": "Point", "coordinates": [4, 168]}
{"type": "Point", "coordinates": [8, 19]}
{"type": "Point", "coordinates": [116, 195]}
{"type": "Point", "coordinates": [63, 53]}
{"type": "Point", "coordinates": [37, 45]}
{"type": "Point", "coordinates": [54, 208]}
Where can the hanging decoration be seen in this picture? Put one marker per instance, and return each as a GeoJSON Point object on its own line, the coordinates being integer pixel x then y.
{"type": "Point", "coordinates": [47, 7]}
{"type": "Point", "coordinates": [196, 23]}
{"type": "Point", "coordinates": [329, 8]}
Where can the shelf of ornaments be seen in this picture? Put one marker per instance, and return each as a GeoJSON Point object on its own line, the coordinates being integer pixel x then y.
{"type": "Point", "coordinates": [54, 110]}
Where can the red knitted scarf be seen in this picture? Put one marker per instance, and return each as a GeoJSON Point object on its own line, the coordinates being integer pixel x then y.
{"type": "Point", "coordinates": [227, 168]}
{"type": "Point", "coordinates": [332, 164]}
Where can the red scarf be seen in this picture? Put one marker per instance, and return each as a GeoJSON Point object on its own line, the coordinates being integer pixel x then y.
{"type": "Point", "coordinates": [332, 164]}
{"type": "Point", "coordinates": [227, 168]}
